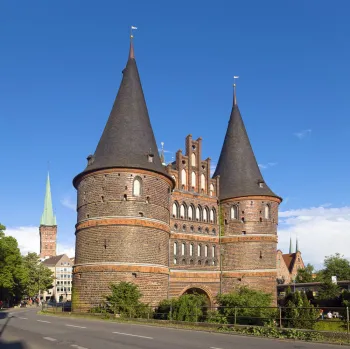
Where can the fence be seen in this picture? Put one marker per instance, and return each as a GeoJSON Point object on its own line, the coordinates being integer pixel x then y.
{"type": "Point", "coordinates": [334, 320]}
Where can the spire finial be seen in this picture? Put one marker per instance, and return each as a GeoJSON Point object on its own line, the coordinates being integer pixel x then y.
{"type": "Point", "coordinates": [131, 52]}
{"type": "Point", "coordinates": [290, 245]}
{"type": "Point", "coordinates": [234, 90]}
{"type": "Point", "coordinates": [162, 157]}
{"type": "Point", "coordinates": [297, 245]}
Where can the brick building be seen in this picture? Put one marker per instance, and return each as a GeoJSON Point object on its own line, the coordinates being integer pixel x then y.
{"type": "Point", "coordinates": [171, 229]}
{"type": "Point", "coordinates": [288, 264]}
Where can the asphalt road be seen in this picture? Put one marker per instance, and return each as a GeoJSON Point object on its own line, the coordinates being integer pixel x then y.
{"type": "Point", "coordinates": [24, 329]}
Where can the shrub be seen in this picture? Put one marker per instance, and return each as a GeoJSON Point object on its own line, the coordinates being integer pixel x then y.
{"type": "Point", "coordinates": [189, 307]}
{"type": "Point", "coordinates": [125, 300]}
{"type": "Point", "coordinates": [246, 306]}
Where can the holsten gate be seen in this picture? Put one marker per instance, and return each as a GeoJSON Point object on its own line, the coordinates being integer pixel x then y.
{"type": "Point", "coordinates": [171, 229]}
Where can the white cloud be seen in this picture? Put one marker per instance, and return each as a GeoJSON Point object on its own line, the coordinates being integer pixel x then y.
{"type": "Point", "coordinates": [29, 241]}
{"type": "Point", "coordinates": [302, 134]}
{"type": "Point", "coordinates": [269, 164]}
{"type": "Point", "coordinates": [321, 231]}
{"type": "Point", "coordinates": [68, 202]}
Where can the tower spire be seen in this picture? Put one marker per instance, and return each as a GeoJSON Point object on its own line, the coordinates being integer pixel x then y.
{"type": "Point", "coordinates": [48, 217]}
{"type": "Point", "coordinates": [237, 166]}
{"type": "Point", "coordinates": [131, 51]}
{"type": "Point", "coordinates": [290, 246]}
{"type": "Point", "coordinates": [234, 90]}
{"type": "Point", "coordinates": [297, 245]}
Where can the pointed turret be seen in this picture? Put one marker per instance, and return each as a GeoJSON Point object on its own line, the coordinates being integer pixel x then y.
{"type": "Point", "coordinates": [48, 217]}
{"type": "Point", "coordinates": [127, 140]}
{"type": "Point", "coordinates": [238, 169]}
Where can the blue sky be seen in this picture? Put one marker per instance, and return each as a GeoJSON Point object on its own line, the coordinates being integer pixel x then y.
{"type": "Point", "coordinates": [60, 69]}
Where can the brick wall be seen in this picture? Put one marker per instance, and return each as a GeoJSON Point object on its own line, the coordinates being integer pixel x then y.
{"type": "Point", "coordinates": [48, 240]}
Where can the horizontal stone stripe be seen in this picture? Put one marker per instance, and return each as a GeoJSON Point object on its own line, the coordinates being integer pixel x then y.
{"type": "Point", "coordinates": [132, 170]}
{"type": "Point", "coordinates": [249, 238]}
{"type": "Point", "coordinates": [195, 279]}
{"type": "Point", "coordinates": [141, 222]}
{"type": "Point", "coordinates": [193, 274]}
{"type": "Point", "coordinates": [233, 274]}
{"type": "Point", "coordinates": [179, 195]}
{"type": "Point", "coordinates": [86, 268]}
{"type": "Point", "coordinates": [253, 197]}
{"type": "Point", "coordinates": [194, 237]}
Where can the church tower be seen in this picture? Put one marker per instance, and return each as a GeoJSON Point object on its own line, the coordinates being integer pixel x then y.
{"type": "Point", "coordinates": [249, 211]}
{"type": "Point", "coordinates": [122, 230]}
{"type": "Point", "coordinates": [48, 226]}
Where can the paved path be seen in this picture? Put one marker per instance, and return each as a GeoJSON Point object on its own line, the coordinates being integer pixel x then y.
{"type": "Point", "coordinates": [24, 329]}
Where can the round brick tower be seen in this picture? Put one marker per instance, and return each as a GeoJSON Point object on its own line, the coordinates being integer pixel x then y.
{"type": "Point", "coordinates": [122, 230]}
{"type": "Point", "coordinates": [249, 214]}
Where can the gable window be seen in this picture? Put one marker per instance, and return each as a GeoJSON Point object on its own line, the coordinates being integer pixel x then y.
{"type": "Point", "coordinates": [175, 248]}
{"type": "Point", "coordinates": [193, 159]}
{"type": "Point", "coordinates": [202, 181]}
{"type": "Point", "coordinates": [183, 177]}
{"type": "Point", "coordinates": [234, 212]}
{"type": "Point", "coordinates": [267, 211]}
{"type": "Point", "coordinates": [193, 180]}
{"type": "Point", "coordinates": [137, 186]}
{"type": "Point", "coordinates": [211, 190]}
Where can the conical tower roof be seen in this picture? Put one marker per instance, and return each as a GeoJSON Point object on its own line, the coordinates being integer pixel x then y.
{"type": "Point", "coordinates": [48, 217]}
{"type": "Point", "coordinates": [127, 140]}
{"type": "Point", "coordinates": [239, 172]}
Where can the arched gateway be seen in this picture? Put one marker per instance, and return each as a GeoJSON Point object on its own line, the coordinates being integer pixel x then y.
{"type": "Point", "coordinates": [201, 290]}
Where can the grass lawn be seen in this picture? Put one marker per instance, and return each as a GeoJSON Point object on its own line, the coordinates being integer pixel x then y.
{"type": "Point", "coordinates": [334, 325]}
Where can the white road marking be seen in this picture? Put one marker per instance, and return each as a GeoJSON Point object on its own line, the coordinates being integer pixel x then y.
{"type": "Point", "coordinates": [48, 322]}
{"type": "Point", "coordinates": [50, 339]}
{"type": "Point", "coordinates": [215, 348]}
{"type": "Point", "coordinates": [133, 335]}
{"type": "Point", "coordinates": [23, 318]}
{"type": "Point", "coordinates": [76, 326]}
{"type": "Point", "coordinates": [77, 346]}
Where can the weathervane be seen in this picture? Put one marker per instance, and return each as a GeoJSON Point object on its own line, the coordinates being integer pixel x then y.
{"type": "Point", "coordinates": [234, 89]}
{"type": "Point", "coordinates": [131, 29]}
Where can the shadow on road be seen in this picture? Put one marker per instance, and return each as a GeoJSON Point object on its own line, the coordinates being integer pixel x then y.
{"type": "Point", "coordinates": [4, 316]}
{"type": "Point", "coordinates": [12, 345]}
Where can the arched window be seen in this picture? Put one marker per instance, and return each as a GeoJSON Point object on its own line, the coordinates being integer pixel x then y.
{"type": "Point", "coordinates": [267, 211]}
{"type": "Point", "coordinates": [175, 261]}
{"type": "Point", "coordinates": [197, 214]}
{"type": "Point", "coordinates": [234, 212]}
{"type": "Point", "coordinates": [213, 251]}
{"type": "Point", "coordinates": [175, 209]}
{"type": "Point", "coordinates": [174, 178]}
{"type": "Point", "coordinates": [183, 246]}
{"type": "Point", "coordinates": [183, 177]}
{"type": "Point", "coordinates": [205, 214]}
{"type": "Point", "coordinates": [203, 182]}
{"type": "Point", "coordinates": [183, 211]}
{"type": "Point", "coordinates": [193, 179]}
{"type": "Point", "coordinates": [212, 216]}
{"type": "Point", "coordinates": [199, 251]}
{"type": "Point", "coordinates": [206, 251]}
{"type": "Point", "coordinates": [211, 190]}
{"type": "Point", "coordinates": [136, 191]}
{"type": "Point", "coordinates": [193, 159]}
{"type": "Point", "coordinates": [175, 248]}
{"type": "Point", "coordinates": [191, 250]}
{"type": "Point", "coordinates": [190, 212]}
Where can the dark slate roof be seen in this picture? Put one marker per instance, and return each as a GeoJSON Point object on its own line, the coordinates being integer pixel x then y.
{"type": "Point", "coordinates": [239, 172]}
{"type": "Point", "coordinates": [128, 136]}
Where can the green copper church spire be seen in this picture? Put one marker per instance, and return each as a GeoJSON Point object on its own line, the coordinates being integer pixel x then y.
{"type": "Point", "coordinates": [48, 217]}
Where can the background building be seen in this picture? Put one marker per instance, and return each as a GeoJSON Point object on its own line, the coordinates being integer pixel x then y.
{"type": "Point", "coordinates": [288, 265]}
{"type": "Point", "coordinates": [61, 266]}
{"type": "Point", "coordinates": [171, 229]}
{"type": "Point", "coordinates": [48, 226]}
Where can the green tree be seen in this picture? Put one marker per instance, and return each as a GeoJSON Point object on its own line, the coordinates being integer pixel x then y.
{"type": "Point", "coordinates": [298, 312]}
{"type": "Point", "coordinates": [40, 278]}
{"type": "Point", "coordinates": [12, 273]}
{"type": "Point", "coordinates": [125, 300]}
{"type": "Point", "coordinates": [335, 265]}
{"type": "Point", "coordinates": [305, 275]}
{"type": "Point", "coordinates": [247, 306]}
{"type": "Point", "coordinates": [328, 291]}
